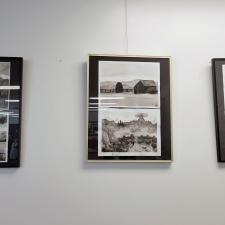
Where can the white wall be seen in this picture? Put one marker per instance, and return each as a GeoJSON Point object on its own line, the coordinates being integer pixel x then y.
{"type": "Point", "coordinates": [55, 185]}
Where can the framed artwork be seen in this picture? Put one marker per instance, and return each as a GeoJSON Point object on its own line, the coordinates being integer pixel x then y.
{"type": "Point", "coordinates": [10, 110]}
{"type": "Point", "coordinates": [218, 73]}
{"type": "Point", "coordinates": [129, 109]}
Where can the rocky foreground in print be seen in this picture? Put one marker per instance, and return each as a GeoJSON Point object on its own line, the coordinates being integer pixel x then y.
{"type": "Point", "coordinates": [133, 136]}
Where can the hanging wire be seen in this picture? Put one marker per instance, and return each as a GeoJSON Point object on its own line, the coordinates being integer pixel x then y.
{"type": "Point", "coordinates": [126, 26]}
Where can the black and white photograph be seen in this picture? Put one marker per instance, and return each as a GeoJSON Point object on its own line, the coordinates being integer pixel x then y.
{"type": "Point", "coordinates": [129, 132]}
{"type": "Point", "coordinates": [129, 84]}
{"type": "Point", "coordinates": [4, 85]}
{"type": "Point", "coordinates": [3, 146]}
{"type": "Point", "coordinates": [3, 121]}
{"type": "Point", "coordinates": [4, 126]}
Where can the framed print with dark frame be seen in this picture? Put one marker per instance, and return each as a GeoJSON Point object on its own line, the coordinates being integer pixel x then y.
{"type": "Point", "coordinates": [129, 109]}
{"type": "Point", "coordinates": [218, 73]}
{"type": "Point", "coordinates": [10, 110]}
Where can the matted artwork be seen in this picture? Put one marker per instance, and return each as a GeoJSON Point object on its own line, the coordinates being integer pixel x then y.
{"type": "Point", "coordinates": [218, 72]}
{"type": "Point", "coordinates": [129, 109]}
{"type": "Point", "coordinates": [10, 110]}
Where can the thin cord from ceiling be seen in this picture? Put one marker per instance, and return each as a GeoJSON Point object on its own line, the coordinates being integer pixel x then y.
{"type": "Point", "coordinates": [126, 25]}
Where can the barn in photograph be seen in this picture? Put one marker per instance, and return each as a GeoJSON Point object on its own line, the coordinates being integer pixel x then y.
{"type": "Point", "coordinates": [108, 87]}
{"type": "Point", "coordinates": [135, 87]}
{"type": "Point", "coordinates": [145, 86]}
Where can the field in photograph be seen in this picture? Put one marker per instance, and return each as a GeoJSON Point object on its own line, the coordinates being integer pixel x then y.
{"type": "Point", "coordinates": [128, 99]}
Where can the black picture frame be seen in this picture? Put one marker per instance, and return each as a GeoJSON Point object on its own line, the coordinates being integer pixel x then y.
{"type": "Point", "coordinates": [11, 110]}
{"type": "Point", "coordinates": [219, 106]}
{"type": "Point", "coordinates": [93, 99]}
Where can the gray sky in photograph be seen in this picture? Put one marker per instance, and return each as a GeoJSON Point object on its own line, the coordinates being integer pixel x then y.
{"type": "Point", "coordinates": [127, 115]}
{"type": "Point", "coordinates": [4, 68]}
{"type": "Point", "coordinates": [127, 71]}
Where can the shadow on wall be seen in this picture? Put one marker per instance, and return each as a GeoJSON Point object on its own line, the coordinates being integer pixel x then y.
{"type": "Point", "coordinates": [125, 165]}
{"type": "Point", "coordinates": [221, 165]}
